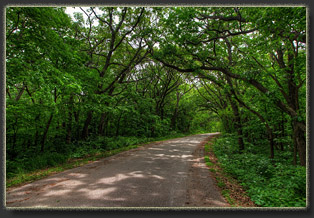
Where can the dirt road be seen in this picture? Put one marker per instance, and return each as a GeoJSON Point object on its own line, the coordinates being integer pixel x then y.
{"type": "Point", "coordinates": [167, 174]}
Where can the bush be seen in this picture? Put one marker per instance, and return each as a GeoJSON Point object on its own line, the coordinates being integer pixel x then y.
{"type": "Point", "coordinates": [12, 168]}
{"type": "Point", "coordinates": [48, 159]}
{"type": "Point", "coordinates": [268, 184]}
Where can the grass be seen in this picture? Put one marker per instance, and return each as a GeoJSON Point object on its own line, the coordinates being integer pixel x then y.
{"type": "Point", "coordinates": [213, 170]}
{"type": "Point", "coordinates": [220, 183]}
{"type": "Point", "coordinates": [208, 162]}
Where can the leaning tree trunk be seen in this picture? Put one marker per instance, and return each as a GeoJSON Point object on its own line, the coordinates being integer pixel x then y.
{"type": "Point", "coordinates": [235, 109]}
{"type": "Point", "coordinates": [263, 120]}
{"type": "Point", "coordinates": [45, 133]}
{"type": "Point", "coordinates": [238, 124]}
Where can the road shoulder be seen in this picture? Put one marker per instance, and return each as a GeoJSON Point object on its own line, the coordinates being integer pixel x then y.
{"type": "Point", "coordinates": [201, 187]}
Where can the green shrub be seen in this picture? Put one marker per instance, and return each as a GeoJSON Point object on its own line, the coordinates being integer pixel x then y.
{"type": "Point", "coordinates": [268, 184]}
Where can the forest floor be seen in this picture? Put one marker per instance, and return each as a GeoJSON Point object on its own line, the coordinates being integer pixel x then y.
{"type": "Point", "coordinates": [169, 173]}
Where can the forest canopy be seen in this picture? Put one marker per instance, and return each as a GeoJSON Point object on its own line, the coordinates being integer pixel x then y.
{"type": "Point", "coordinates": [131, 74]}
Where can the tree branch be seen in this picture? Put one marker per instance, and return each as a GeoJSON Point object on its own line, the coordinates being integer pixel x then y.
{"type": "Point", "coordinates": [219, 17]}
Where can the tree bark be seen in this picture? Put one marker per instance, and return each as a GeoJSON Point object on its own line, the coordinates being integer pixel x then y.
{"type": "Point", "coordinates": [86, 124]}
{"type": "Point", "coordinates": [262, 119]}
{"type": "Point", "coordinates": [19, 95]}
{"type": "Point", "coordinates": [15, 134]}
{"type": "Point", "coordinates": [69, 121]}
{"type": "Point", "coordinates": [300, 141]}
{"type": "Point", "coordinates": [118, 125]}
{"type": "Point", "coordinates": [238, 124]}
{"type": "Point", "coordinates": [297, 126]}
{"type": "Point", "coordinates": [271, 140]}
{"type": "Point", "coordinates": [101, 124]}
{"type": "Point", "coordinates": [175, 113]}
{"type": "Point", "coordinates": [235, 109]}
{"type": "Point", "coordinates": [282, 126]}
{"type": "Point", "coordinates": [45, 133]}
{"type": "Point", "coordinates": [69, 129]}
{"type": "Point", "coordinates": [295, 149]}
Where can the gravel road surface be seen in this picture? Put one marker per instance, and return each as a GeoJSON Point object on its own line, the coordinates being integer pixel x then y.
{"type": "Point", "coordinates": [165, 174]}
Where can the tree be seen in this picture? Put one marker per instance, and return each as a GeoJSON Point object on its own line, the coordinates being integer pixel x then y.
{"type": "Point", "coordinates": [117, 33]}
{"type": "Point", "coordinates": [41, 57]}
{"type": "Point", "coordinates": [206, 39]}
{"type": "Point", "coordinates": [132, 71]}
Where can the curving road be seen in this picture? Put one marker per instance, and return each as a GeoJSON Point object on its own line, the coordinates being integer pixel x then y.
{"type": "Point", "coordinates": [163, 174]}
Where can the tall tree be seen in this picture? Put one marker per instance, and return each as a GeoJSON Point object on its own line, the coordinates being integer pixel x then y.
{"type": "Point", "coordinates": [203, 39]}
{"type": "Point", "coordinates": [115, 46]}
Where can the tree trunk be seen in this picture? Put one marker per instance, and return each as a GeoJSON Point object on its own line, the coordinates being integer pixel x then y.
{"type": "Point", "coordinates": [45, 133]}
{"type": "Point", "coordinates": [175, 113]}
{"type": "Point", "coordinates": [238, 124]}
{"type": "Point", "coordinates": [14, 136]}
{"type": "Point", "coordinates": [162, 113]}
{"type": "Point", "coordinates": [295, 151]}
{"type": "Point", "coordinates": [282, 132]}
{"type": "Point", "coordinates": [36, 138]}
{"type": "Point", "coordinates": [235, 109]}
{"type": "Point", "coordinates": [69, 121]}
{"type": "Point", "coordinates": [268, 128]}
{"type": "Point", "coordinates": [300, 141]}
{"type": "Point", "coordinates": [157, 110]}
{"type": "Point", "coordinates": [297, 126]}
{"type": "Point", "coordinates": [271, 140]}
{"type": "Point", "coordinates": [174, 119]}
{"type": "Point", "coordinates": [86, 124]}
{"type": "Point", "coordinates": [29, 143]}
{"type": "Point", "coordinates": [69, 129]}
{"type": "Point", "coordinates": [101, 124]}
{"type": "Point", "coordinates": [118, 125]}
{"type": "Point", "coordinates": [19, 95]}
{"type": "Point", "coordinates": [77, 118]}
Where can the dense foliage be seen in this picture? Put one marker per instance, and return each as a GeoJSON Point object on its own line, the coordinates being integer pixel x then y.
{"type": "Point", "coordinates": [269, 183]}
{"type": "Point", "coordinates": [112, 77]}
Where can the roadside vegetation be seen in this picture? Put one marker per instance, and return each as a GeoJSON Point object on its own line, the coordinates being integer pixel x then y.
{"type": "Point", "coordinates": [267, 182]}
{"type": "Point", "coordinates": [229, 187]}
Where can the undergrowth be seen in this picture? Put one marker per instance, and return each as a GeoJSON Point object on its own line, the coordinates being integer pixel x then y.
{"type": "Point", "coordinates": [269, 183]}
